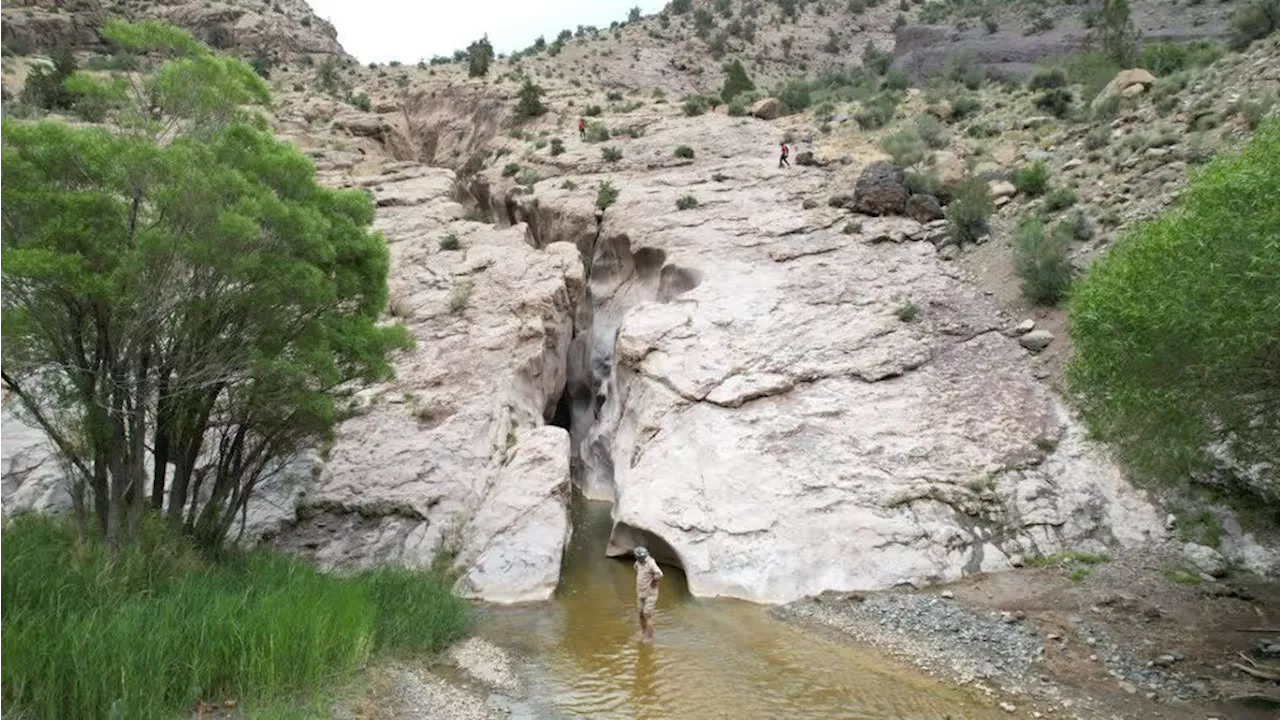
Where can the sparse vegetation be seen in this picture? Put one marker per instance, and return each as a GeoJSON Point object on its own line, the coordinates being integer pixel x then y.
{"type": "Point", "coordinates": [932, 131]}
{"type": "Point", "coordinates": [1056, 102]}
{"type": "Point", "coordinates": [1254, 21]}
{"type": "Point", "coordinates": [970, 210]}
{"type": "Point", "coordinates": [907, 311]}
{"type": "Point", "coordinates": [610, 154]}
{"type": "Point", "coordinates": [1047, 79]}
{"type": "Point", "coordinates": [557, 147]}
{"type": "Point", "coordinates": [510, 169]}
{"type": "Point", "coordinates": [686, 202]}
{"type": "Point", "coordinates": [460, 297]}
{"type": "Point", "coordinates": [530, 104]}
{"type": "Point", "coordinates": [905, 147]}
{"type": "Point", "coordinates": [736, 81]}
{"type": "Point", "coordinates": [684, 151]}
{"type": "Point", "coordinates": [851, 228]}
{"type": "Point", "coordinates": [1042, 262]}
{"type": "Point", "coordinates": [1059, 199]}
{"type": "Point", "coordinates": [694, 105]}
{"type": "Point", "coordinates": [597, 132]}
{"type": "Point", "coordinates": [606, 195]}
{"type": "Point", "coordinates": [450, 242]}
{"type": "Point", "coordinates": [592, 111]}
{"type": "Point", "coordinates": [1032, 179]}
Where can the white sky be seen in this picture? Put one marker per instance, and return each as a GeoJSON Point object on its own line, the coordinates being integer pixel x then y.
{"type": "Point", "coordinates": [409, 30]}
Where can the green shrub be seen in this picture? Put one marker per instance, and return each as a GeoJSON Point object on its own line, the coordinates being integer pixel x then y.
{"type": "Point", "coordinates": [1256, 20]}
{"type": "Point", "coordinates": [510, 169]}
{"type": "Point", "coordinates": [597, 132]}
{"type": "Point", "coordinates": [450, 242]}
{"type": "Point", "coordinates": [694, 105]}
{"type": "Point", "coordinates": [1092, 71]}
{"type": "Point", "coordinates": [1037, 22]}
{"type": "Point", "coordinates": [1252, 111]}
{"type": "Point", "coordinates": [875, 59]}
{"type": "Point", "coordinates": [896, 79]}
{"type": "Point", "coordinates": [736, 81]}
{"type": "Point", "coordinates": [923, 183]}
{"type": "Point", "coordinates": [878, 112]}
{"type": "Point", "coordinates": [569, 185]}
{"type": "Point", "coordinates": [794, 96]}
{"type": "Point", "coordinates": [686, 202]}
{"type": "Point", "coordinates": [963, 106]}
{"type": "Point", "coordinates": [613, 96]}
{"type": "Point", "coordinates": [969, 210]}
{"type": "Point", "coordinates": [360, 101]}
{"type": "Point", "coordinates": [606, 195]}
{"type": "Point", "coordinates": [530, 104]}
{"type": "Point", "coordinates": [557, 147]}
{"type": "Point", "coordinates": [1056, 102]}
{"type": "Point", "coordinates": [158, 627]}
{"type": "Point", "coordinates": [1059, 199]}
{"type": "Point", "coordinates": [610, 154]}
{"type": "Point", "coordinates": [1099, 137]}
{"type": "Point", "coordinates": [1042, 262]}
{"type": "Point", "coordinates": [592, 111]}
{"type": "Point", "coordinates": [738, 108]}
{"type": "Point", "coordinates": [684, 151]}
{"type": "Point", "coordinates": [932, 131]}
{"type": "Point", "coordinates": [1078, 226]}
{"type": "Point", "coordinates": [1032, 179]}
{"type": "Point", "coordinates": [851, 228]}
{"type": "Point", "coordinates": [1047, 79]}
{"type": "Point", "coordinates": [1176, 329]}
{"type": "Point", "coordinates": [907, 311]}
{"type": "Point", "coordinates": [528, 177]}
{"type": "Point", "coordinates": [905, 147]}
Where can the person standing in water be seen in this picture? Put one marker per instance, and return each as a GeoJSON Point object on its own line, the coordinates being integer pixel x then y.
{"type": "Point", "coordinates": [647, 576]}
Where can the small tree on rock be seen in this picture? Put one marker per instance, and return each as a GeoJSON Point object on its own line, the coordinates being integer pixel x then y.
{"type": "Point", "coordinates": [479, 55]}
{"type": "Point", "coordinates": [530, 104]}
{"type": "Point", "coordinates": [736, 81]}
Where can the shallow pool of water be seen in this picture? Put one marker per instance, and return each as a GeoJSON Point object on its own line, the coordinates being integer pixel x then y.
{"type": "Point", "coordinates": [712, 658]}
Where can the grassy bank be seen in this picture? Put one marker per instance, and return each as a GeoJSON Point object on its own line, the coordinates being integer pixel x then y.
{"type": "Point", "coordinates": [161, 628]}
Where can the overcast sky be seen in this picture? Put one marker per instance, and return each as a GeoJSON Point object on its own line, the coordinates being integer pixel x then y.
{"type": "Point", "coordinates": [409, 30]}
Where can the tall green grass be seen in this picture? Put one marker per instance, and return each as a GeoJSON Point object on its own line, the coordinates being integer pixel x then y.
{"type": "Point", "coordinates": [149, 633]}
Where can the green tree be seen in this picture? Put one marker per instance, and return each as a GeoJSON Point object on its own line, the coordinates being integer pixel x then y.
{"type": "Point", "coordinates": [736, 81]}
{"type": "Point", "coordinates": [178, 291]}
{"type": "Point", "coordinates": [479, 55]}
{"type": "Point", "coordinates": [1115, 34]}
{"type": "Point", "coordinates": [1177, 330]}
{"type": "Point", "coordinates": [45, 84]}
{"type": "Point", "coordinates": [530, 104]}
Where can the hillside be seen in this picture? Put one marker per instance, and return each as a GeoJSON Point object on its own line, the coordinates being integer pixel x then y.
{"type": "Point", "coordinates": [841, 376]}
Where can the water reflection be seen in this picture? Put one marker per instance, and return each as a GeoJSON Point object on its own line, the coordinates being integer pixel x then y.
{"type": "Point", "coordinates": [712, 659]}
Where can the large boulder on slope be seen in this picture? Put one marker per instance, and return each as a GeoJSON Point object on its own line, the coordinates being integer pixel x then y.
{"type": "Point", "coordinates": [880, 190]}
{"type": "Point", "coordinates": [767, 109]}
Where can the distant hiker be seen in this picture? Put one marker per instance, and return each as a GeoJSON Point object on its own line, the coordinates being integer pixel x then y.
{"type": "Point", "coordinates": [782, 160]}
{"type": "Point", "coordinates": [647, 576]}
{"type": "Point", "coordinates": [582, 128]}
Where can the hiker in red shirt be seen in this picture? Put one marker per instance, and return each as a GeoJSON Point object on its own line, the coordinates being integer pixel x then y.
{"type": "Point", "coordinates": [785, 152]}
{"type": "Point", "coordinates": [582, 128]}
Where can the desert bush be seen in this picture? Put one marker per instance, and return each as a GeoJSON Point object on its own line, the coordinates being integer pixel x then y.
{"type": "Point", "coordinates": [932, 131]}
{"type": "Point", "coordinates": [592, 111]}
{"type": "Point", "coordinates": [613, 96]}
{"type": "Point", "coordinates": [1098, 138]}
{"type": "Point", "coordinates": [964, 106]}
{"type": "Point", "coordinates": [1177, 328]}
{"type": "Point", "coordinates": [686, 202]}
{"type": "Point", "coordinates": [1059, 199]}
{"type": "Point", "coordinates": [1047, 79]}
{"type": "Point", "coordinates": [1032, 179]}
{"type": "Point", "coordinates": [597, 132]}
{"type": "Point", "coordinates": [450, 242]}
{"type": "Point", "coordinates": [530, 104]}
{"type": "Point", "coordinates": [905, 147]}
{"type": "Point", "coordinates": [1042, 262]}
{"type": "Point", "coordinates": [736, 81]}
{"type": "Point", "coordinates": [694, 105]}
{"type": "Point", "coordinates": [684, 151]}
{"type": "Point", "coordinates": [895, 79]}
{"type": "Point", "coordinates": [510, 169]}
{"type": "Point", "coordinates": [610, 154]}
{"type": "Point", "coordinates": [606, 195]}
{"type": "Point", "coordinates": [1256, 20]}
{"type": "Point", "coordinates": [970, 209]}
{"type": "Point", "coordinates": [923, 183]}
{"type": "Point", "coordinates": [557, 147]}
{"type": "Point", "coordinates": [1056, 102]}
{"type": "Point", "coordinates": [1078, 226]}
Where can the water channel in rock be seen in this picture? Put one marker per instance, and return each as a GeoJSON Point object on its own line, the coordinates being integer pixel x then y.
{"type": "Point", "coordinates": [712, 659]}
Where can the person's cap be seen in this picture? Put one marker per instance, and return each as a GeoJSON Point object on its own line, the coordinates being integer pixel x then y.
{"type": "Point", "coordinates": [642, 553]}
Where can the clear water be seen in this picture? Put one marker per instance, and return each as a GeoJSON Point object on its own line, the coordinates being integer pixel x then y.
{"type": "Point", "coordinates": [712, 658]}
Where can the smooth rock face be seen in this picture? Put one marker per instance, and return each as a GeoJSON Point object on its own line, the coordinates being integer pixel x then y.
{"type": "Point", "coordinates": [746, 393]}
{"type": "Point", "coordinates": [454, 455]}
{"type": "Point", "coordinates": [1121, 84]}
{"type": "Point", "coordinates": [879, 190]}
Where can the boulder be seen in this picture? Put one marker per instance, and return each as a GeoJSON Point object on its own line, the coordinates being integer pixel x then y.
{"type": "Point", "coordinates": [1002, 189]}
{"type": "Point", "coordinates": [1205, 559]}
{"type": "Point", "coordinates": [924, 208]}
{"type": "Point", "coordinates": [1036, 340]}
{"type": "Point", "coordinates": [950, 168]}
{"type": "Point", "coordinates": [880, 190]}
{"type": "Point", "coordinates": [1121, 85]}
{"type": "Point", "coordinates": [767, 109]}
{"type": "Point", "coordinates": [806, 158]}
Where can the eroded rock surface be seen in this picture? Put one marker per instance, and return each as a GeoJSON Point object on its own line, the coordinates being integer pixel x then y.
{"type": "Point", "coordinates": [776, 423]}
